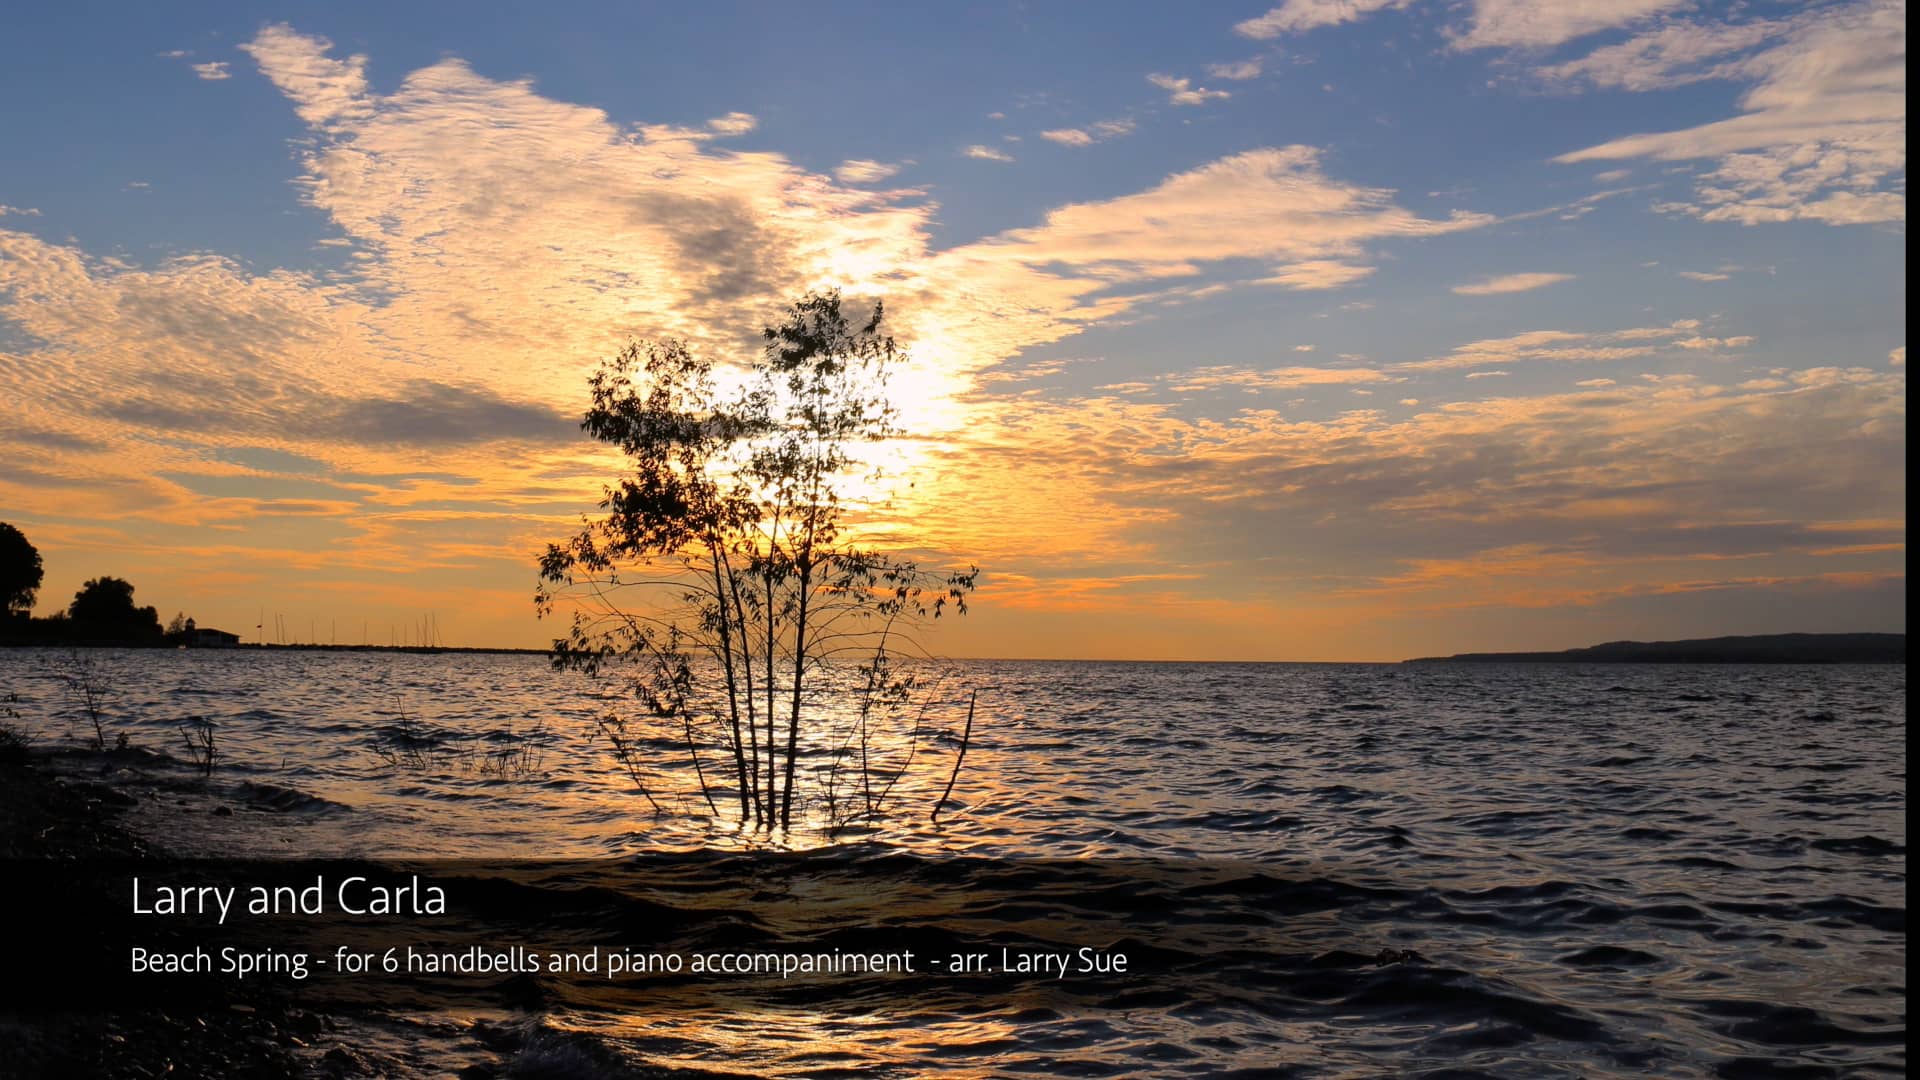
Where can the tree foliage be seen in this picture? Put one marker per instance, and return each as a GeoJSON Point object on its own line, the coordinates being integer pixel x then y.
{"type": "Point", "coordinates": [20, 572]}
{"type": "Point", "coordinates": [104, 608]}
{"type": "Point", "coordinates": [722, 572]}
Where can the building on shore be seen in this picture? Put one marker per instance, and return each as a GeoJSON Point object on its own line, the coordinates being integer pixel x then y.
{"type": "Point", "coordinates": [206, 637]}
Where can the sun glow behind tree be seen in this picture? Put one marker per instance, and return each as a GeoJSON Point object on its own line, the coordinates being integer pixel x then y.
{"type": "Point", "coordinates": [721, 580]}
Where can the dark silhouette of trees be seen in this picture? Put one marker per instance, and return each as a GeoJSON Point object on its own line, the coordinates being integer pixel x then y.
{"type": "Point", "coordinates": [756, 629]}
{"type": "Point", "coordinates": [103, 609]}
{"type": "Point", "coordinates": [102, 612]}
{"type": "Point", "coordinates": [20, 573]}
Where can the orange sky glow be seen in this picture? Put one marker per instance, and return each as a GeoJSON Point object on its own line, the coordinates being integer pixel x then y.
{"type": "Point", "coordinates": [1267, 404]}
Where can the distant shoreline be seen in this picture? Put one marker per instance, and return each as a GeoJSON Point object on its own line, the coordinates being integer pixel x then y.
{"type": "Point", "coordinates": [1757, 649]}
{"type": "Point", "coordinates": [1754, 649]}
{"type": "Point", "coordinates": [254, 646]}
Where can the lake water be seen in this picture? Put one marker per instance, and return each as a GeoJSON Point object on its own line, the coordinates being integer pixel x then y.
{"type": "Point", "coordinates": [1601, 870]}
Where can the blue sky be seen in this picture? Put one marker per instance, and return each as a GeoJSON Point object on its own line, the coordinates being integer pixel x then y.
{"type": "Point", "coordinates": [1326, 330]}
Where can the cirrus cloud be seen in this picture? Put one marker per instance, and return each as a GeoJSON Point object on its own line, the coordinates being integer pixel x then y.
{"type": "Point", "coordinates": [1511, 283]}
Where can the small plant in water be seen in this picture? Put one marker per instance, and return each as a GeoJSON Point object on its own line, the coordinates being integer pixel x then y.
{"type": "Point", "coordinates": [198, 731]}
{"type": "Point", "coordinates": [407, 743]}
{"type": "Point", "coordinates": [615, 730]}
{"type": "Point", "coordinates": [88, 688]}
{"type": "Point", "coordinates": [519, 756]}
{"type": "Point", "coordinates": [13, 741]}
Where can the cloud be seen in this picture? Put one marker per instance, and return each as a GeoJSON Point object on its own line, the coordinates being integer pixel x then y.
{"type": "Point", "coordinates": [1713, 344]}
{"type": "Point", "coordinates": [1236, 71]}
{"type": "Point", "coordinates": [1566, 346]}
{"type": "Point", "coordinates": [212, 71]}
{"type": "Point", "coordinates": [1702, 275]}
{"type": "Point", "coordinates": [987, 153]}
{"type": "Point", "coordinates": [324, 90]}
{"type": "Point", "coordinates": [1315, 274]}
{"type": "Point", "coordinates": [1299, 16]}
{"type": "Point", "coordinates": [1273, 203]}
{"type": "Point", "coordinates": [563, 232]}
{"type": "Point", "coordinates": [1183, 92]}
{"type": "Point", "coordinates": [1821, 135]}
{"type": "Point", "coordinates": [734, 123]}
{"type": "Point", "coordinates": [1514, 501]}
{"type": "Point", "coordinates": [1521, 24]}
{"type": "Point", "coordinates": [1537, 24]}
{"type": "Point", "coordinates": [1511, 283]}
{"type": "Point", "coordinates": [1898, 357]}
{"type": "Point", "coordinates": [864, 171]}
{"type": "Point", "coordinates": [1675, 54]}
{"type": "Point", "coordinates": [422, 414]}
{"type": "Point", "coordinates": [1099, 132]}
{"type": "Point", "coordinates": [1254, 380]}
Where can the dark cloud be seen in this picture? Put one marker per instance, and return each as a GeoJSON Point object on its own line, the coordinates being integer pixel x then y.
{"type": "Point", "coordinates": [267, 459]}
{"type": "Point", "coordinates": [423, 413]}
{"type": "Point", "coordinates": [49, 439]}
{"type": "Point", "coordinates": [727, 253]}
{"type": "Point", "coordinates": [436, 414]}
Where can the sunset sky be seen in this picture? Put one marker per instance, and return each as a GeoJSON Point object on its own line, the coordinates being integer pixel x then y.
{"type": "Point", "coordinates": [1344, 329]}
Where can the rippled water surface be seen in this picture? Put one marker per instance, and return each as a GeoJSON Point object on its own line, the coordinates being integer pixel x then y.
{"type": "Point", "coordinates": [1600, 870]}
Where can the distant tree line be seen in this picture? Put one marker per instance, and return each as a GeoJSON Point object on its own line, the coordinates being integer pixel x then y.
{"type": "Point", "coordinates": [102, 611]}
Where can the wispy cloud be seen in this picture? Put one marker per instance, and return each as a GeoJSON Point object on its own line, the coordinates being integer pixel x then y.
{"type": "Point", "coordinates": [734, 123]}
{"type": "Point", "coordinates": [1523, 24]}
{"type": "Point", "coordinates": [1298, 16]}
{"type": "Point", "coordinates": [865, 171]}
{"type": "Point", "coordinates": [1183, 92]}
{"type": "Point", "coordinates": [1511, 283]}
{"type": "Point", "coordinates": [212, 71]}
{"type": "Point", "coordinates": [1564, 346]}
{"type": "Point", "coordinates": [1675, 54]}
{"type": "Point", "coordinates": [1822, 131]}
{"type": "Point", "coordinates": [1315, 274]}
{"type": "Point", "coordinates": [1099, 132]}
{"type": "Point", "coordinates": [986, 153]}
{"type": "Point", "coordinates": [324, 90]}
{"type": "Point", "coordinates": [1540, 23]}
{"type": "Point", "coordinates": [1237, 70]}
{"type": "Point", "coordinates": [1254, 380]}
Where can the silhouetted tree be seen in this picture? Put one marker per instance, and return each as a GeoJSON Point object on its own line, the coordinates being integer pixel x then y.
{"type": "Point", "coordinates": [104, 609]}
{"type": "Point", "coordinates": [721, 570]}
{"type": "Point", "coordinates": [20, 572]}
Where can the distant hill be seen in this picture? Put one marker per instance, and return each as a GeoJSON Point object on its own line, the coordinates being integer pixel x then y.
{"type": "Point", "coordinates": [1761, 649]}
